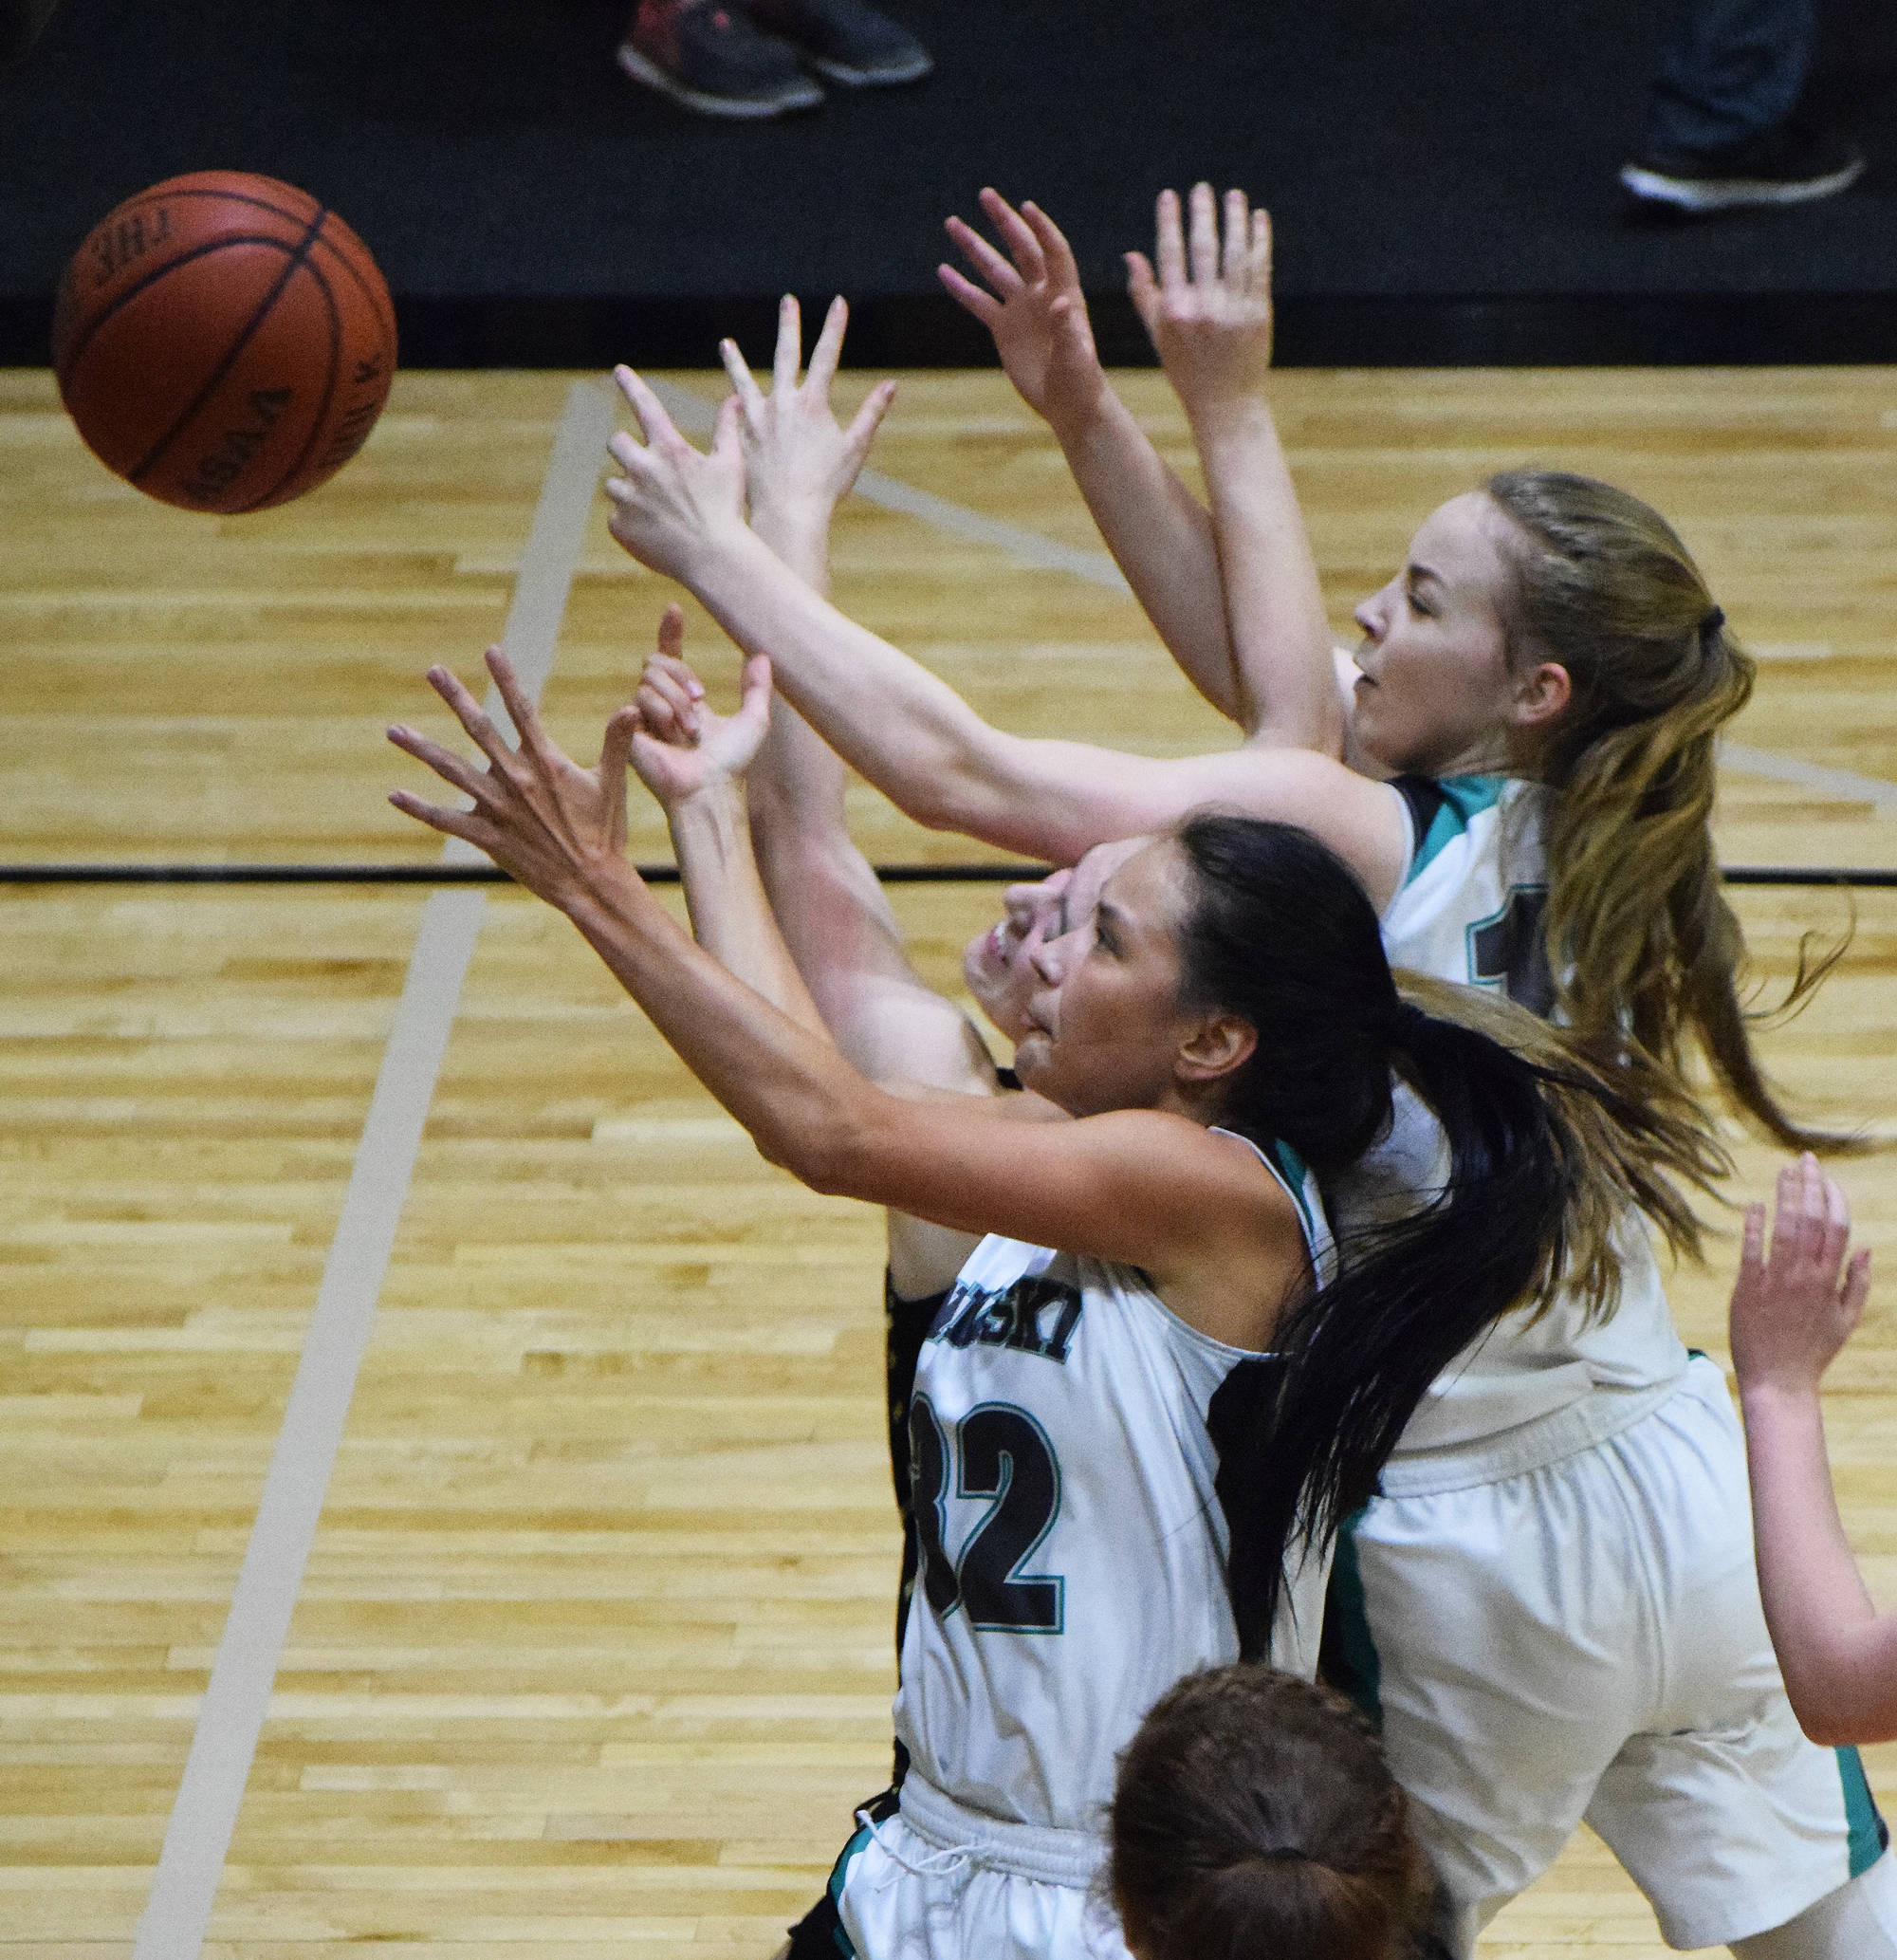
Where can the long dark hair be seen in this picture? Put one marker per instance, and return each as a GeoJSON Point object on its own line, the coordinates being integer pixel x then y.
{"type": "Point", "coordinates": [1545, 1157]}
{"type": "Point", "coordinates": [1253, 1814]}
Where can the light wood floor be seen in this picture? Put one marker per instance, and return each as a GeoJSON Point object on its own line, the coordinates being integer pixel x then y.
{"type": "Point", "coordinates": [594, 1653]}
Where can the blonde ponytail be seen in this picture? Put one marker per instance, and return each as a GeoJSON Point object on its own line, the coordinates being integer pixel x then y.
{"type": "Point", "coordinates": [1650, 957]}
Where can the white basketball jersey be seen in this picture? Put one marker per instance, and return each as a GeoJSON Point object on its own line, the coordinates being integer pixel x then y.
{"type": "Point", "coordinates": [1470, 911]}
{"type": "Point", "coordinates": [1064, 1447]}
{"type": "Point", "coordinates": [1471, 905]}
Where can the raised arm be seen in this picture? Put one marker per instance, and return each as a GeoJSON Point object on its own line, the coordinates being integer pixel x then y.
{"type": "Point", "coordinates": [1159, 533]}
{"type": "Point", "coordinates": [1790, 1314]}
{"type": "Point", "coordinates": [1207, 308]}
{"type": "Point", "coordinates": [1142, 1186]}
{"type": "Point", "coordinates": [911, 736]}
{"type": "Point", "coordinates": [799, 464]}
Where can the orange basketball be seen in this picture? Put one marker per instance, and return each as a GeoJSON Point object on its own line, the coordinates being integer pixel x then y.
{"type": "Point", "coordinates": [223, 342]}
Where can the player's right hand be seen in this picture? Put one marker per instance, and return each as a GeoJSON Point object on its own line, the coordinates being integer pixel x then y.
{"type": "Point", "coordinates": [673, 504]}
{"type": "Point", "coordinates": [1207, 307]}
{"type": "Point", "coordinates": [1794, 1306]}
{"type": "Point", "coordinates": [1033, 305]}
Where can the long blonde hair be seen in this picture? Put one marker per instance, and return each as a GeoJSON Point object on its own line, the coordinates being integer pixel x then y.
{"type": "Point", "coordinates": [1647, 953]}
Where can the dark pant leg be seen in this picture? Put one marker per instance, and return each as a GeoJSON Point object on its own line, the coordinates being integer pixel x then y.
{"type": "Point", "coordinates": [1729, 70]}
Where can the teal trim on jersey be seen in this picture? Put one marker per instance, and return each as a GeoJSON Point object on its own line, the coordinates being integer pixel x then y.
{"type": "Point", "coordinates": [1355, 1648]}
{"type": "Point", "coordinates": [1868, 1834]}
{"type": "Point", "coordinates": [1464, 799]}
{"type": "Point", "coordinates": [1293, 1173]}
{"type": "Point", "coordinates": [846, 1947]}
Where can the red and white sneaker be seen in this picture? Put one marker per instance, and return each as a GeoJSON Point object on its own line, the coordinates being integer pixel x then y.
{"type": "Point", "coordinates": [707, 56]}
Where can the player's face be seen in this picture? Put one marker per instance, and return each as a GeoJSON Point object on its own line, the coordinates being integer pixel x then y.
{"type": "Point", "coordinates": [1104, 1023]}
{"type": "Point", "coordinates": [1435, 683]}
{"type": "Point", "coordinates": [999, 964]}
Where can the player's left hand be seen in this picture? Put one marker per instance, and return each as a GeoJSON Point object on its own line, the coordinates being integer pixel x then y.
{"type": "Point", "coordinates": [1791, 1310]}
{"type": "Point", "coordinates": [681, 748]}
{"type": "Point", "coordinates": [1208, 307]}
{"type": "Point", "coordinates": [673, 504]}
{"type": "Point", "coordinates": [545, 821]}
{"type": "Point", "coordinates": [800, 464]}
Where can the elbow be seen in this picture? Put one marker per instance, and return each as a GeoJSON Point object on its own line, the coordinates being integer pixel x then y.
{"type": "Point", "coordinates": [824, 1153]}
{"type": "Point", "coordinates": [1831, 1711]}
{"type": "Point", "coordinates": [940, 798]}
{"type": "Point", "coordinates": [1823, 1723]}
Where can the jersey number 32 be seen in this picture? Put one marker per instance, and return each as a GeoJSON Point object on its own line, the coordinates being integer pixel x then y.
{"type": "Point", "coordinates": [1000, 1454]}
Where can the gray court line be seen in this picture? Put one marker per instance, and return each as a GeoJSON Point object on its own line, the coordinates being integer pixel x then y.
{"type": "Point", "coordinates": [1846, 785]}
{"type": "Point", "coordinates": [696, 417]}
{"type": "Point", "coordinates": [230, 1717]}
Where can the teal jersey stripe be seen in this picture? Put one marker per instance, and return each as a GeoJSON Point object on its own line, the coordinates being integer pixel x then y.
{"type": "Point", "coordinates": [1464, 799]}
{"type": "Point", "coordinates": [1295, 1174]}
{"type": "Point", "coordinates": [1353, 1667]}
{"type": "Point", "coordinates": [1868, 1834]}
{"type": "Point", "coordinates": [846, 1947]}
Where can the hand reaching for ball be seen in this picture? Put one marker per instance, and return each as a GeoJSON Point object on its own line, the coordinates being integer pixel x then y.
{"type": "Point", "coordinates": [674, 507]}
{"type": "Point", "coordinates": [682, 749]}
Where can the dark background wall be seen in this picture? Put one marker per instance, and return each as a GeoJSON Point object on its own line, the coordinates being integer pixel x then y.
{"type": "Point", "coordinates": [1441, 173]}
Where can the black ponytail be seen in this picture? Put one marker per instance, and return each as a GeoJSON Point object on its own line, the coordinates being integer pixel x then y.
{"type": "Point", "coordinates": [1543, 1160]}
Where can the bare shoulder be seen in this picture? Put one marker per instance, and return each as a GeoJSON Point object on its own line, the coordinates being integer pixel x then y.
{"type": "Point", "coordinates": [1233, 1281]}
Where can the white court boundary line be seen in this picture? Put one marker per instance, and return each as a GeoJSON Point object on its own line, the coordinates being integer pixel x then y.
{"type": "Point", "coordinates": [230, 1717]}
{"type": "Point", "coordinates": [696, 417]}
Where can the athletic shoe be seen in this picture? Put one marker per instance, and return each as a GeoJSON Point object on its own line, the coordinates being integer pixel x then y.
{"type": "Point", "coordinates": [1790, 164]}
{"type": "Point", "coordinates": [706, 55]}
{"type": "Point", "coordinates": [845, 40]}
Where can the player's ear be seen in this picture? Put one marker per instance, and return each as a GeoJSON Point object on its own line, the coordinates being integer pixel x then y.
{"type": "Point", "coordinates": [1540, 694]}
{"type": "Point", "coordinates": [1214, 1046]}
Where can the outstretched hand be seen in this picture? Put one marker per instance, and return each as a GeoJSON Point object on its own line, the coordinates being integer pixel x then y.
{"type": "Point", "coordinates": [680, 748]}
{"type": "Point", "coordinates": [1791, 1310]}
{"type": "Point", "coordinates": [545, 821]}
{"type": "Point", "coordinates": [1033, 305]}
{"type": "Point", "coordinates": [799, 463]}
{"type": "Point", "coordinates": [1209, 307]}
{"type": "Point", "coordinates": [674, 505]}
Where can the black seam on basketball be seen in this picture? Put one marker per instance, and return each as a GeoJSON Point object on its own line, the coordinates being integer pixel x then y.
{"type": "Point", "coordinates": [300, 256]}
{"type": "Point", "coordinates": [151, 279]}
{"type": "Point", "coordinates": [376, 300]}
{"type": "Point", "coordinates": [384, 320]}
{"type": "Point", "coordinates": [276, 210]}
{"type": "Point", "coordinates": [328, 391]}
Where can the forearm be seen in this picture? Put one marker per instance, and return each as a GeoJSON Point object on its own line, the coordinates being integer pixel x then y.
{"type": "Point", "coordinates": [905, 730]}
{"type": "Point", "coordinates": [784, 1081]}
{"type": "Point", "coordinates": [1284, 670]}
{"type": "Point", "coordinates": [1161, 537]}
{"type": "Point", "coordinates": [1834, 1656]}
{"type": "Point", "coordinates": [731, 917]}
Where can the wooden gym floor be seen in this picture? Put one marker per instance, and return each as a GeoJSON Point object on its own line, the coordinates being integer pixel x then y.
{"type": "Point", "coordinates": [592, 1651]}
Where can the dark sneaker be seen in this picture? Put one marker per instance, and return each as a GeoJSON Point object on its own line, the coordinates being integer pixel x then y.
{"type": "Point", "coordinates": [1786, 165]}
{"type": "Point", "coordinates": [845, 40]}
{"type": "Point", "coordinates": [706, 55]}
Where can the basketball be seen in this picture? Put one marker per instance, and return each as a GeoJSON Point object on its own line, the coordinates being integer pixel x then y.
{"type": "Point", "coordinates": [223, 342]}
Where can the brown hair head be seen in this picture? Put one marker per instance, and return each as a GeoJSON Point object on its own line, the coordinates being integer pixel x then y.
{"type": "Point", "coordinates": [1648, 954]}
{"type": "Point", "coordinates": [1254, 1815]}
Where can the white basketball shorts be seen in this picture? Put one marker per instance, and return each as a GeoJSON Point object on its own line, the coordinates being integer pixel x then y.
{"type": "Point", "coordinates": [937, 1883]}
{"type": "Point", "coordinates": [1585, 1640]}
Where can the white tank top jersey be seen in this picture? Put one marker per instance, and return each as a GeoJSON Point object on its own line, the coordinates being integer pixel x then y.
{"type": "Point", "coordinates": [1530, 1389]}
{"type": "Point", "coordinates": [1065, 1442]}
